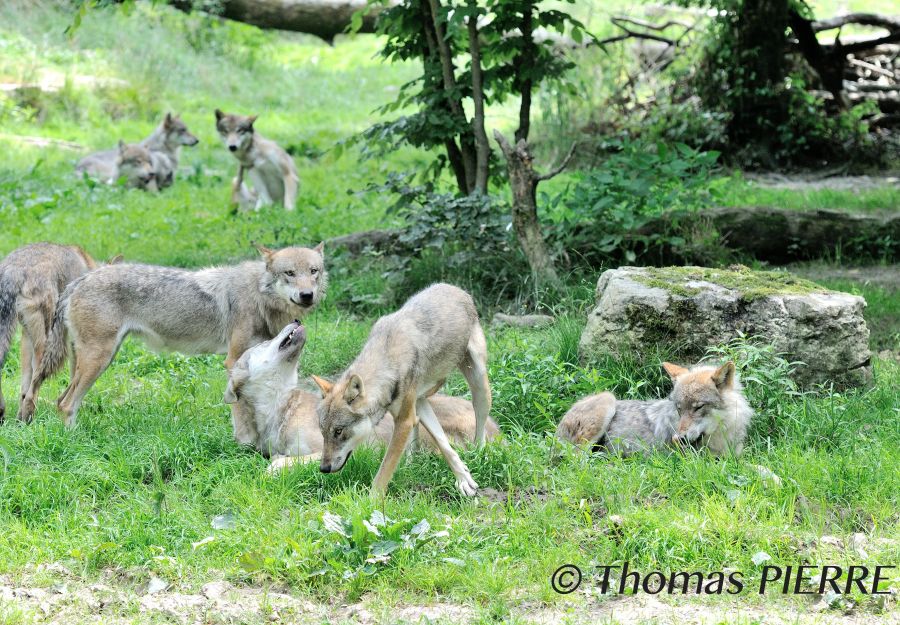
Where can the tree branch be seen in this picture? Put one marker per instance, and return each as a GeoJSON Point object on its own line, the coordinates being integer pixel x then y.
{"type": "Point", "coordinates": [558, 169]}
{"type": "Point", "coordinates": [863, 19]}
{"type": "Point", "coordinates": [863, 46]}
{"type": "Point", "coordinates": [645, 24]}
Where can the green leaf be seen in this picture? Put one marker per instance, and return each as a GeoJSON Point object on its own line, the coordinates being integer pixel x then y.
{"type": "Point", "coordinates": [384, 547]}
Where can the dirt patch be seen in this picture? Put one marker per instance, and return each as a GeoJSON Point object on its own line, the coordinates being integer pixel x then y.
{"type": "Point", "coordinates": [65, 599]}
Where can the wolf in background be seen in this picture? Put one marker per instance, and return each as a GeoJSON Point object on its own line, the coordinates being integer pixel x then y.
{"type": "Point", "coordinates": [269, 167]}
{"type": "Point", "coordinates": [162, 147]}
{"type": "Point", "coordinates": [706, 408]}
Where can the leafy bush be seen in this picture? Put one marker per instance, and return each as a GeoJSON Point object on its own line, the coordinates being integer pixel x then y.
{"type": "Point", "coordinates": [464, 239]}
{"type": "Point", "coordinates": [603, 213]}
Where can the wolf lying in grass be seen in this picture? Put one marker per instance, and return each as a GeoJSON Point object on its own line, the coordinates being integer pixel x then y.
{"type": "Point", "coordinates": [706, 407]}
{"type": "Point", "coordinates": [269, 167]}
{"type": "Point", "coordinates": [149, 165]}
{"type": "Point", "coordinates": [217, 310]}
{"type": "Point", "coordinates": [406, 359]}
{"type": "Point", "coordinates": [279, 419]}
{"type": "Point", "coordinates": [32, 278]}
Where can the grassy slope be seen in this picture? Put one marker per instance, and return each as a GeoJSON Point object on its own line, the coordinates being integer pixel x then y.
{"type": "Point", "coordinates": [153, 461]}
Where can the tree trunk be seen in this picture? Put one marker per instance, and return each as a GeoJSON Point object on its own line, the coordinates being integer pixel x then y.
{"type": "Point", "coordinates": [523, 181]}
{"type": "Point", "coordinates": [758, 69]}
{"type": "Point", "coordinates": [323, 18]}
{"type": "Point", "coordinates": [445, 54]}
{"type": "Point", "coordinates": [524, 65]}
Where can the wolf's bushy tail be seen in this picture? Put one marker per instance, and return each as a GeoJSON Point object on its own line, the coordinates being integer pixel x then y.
{"type": "Point", "coordinates": [9, 293]}
{"type": "Point", "coordinates": [57, 346]}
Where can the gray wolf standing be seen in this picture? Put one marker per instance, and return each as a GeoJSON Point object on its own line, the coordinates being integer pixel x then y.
{"type": "Point", "coordinates": [32, 278]}
{"type": "Point", "coordinates": [269, 167]}
{"type": "Point", "coordinates": [220, 310]}
{"type": "Point", "coordinates": [407, 358]}
{"type": "Point", "coordinates": [164, 146]}
{"type": "Point", "coordinates": [271, 413]}
{"type": "Point", "coordinates": [706, 407]}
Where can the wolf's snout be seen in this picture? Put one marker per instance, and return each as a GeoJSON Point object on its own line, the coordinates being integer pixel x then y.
{"type": "Point", "coordinates": [303, 298]}
{"type": "Point", "coordinates": [325, 467]}
{"type": "Point", "coordinates": [233, 148]}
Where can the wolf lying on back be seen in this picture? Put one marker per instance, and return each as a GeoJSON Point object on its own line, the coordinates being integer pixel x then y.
{"type": "Point", "coordinates": [212, 311]}
{"type": "Point", "coordinates": [161, 149]}
{"type": "Point", "coordinates": [706, 407]}
{"type": "Point", "coordinates": [32, 278]}
{"type": "Point", "coordinates": [279, 419]}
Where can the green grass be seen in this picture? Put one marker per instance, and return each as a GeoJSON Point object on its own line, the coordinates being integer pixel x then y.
{"type": "Point", "coordinates": [152, 463]}
{"type": "Point", "coordinates": [126, 494]}
{"type": "Point", "coordinates": [743, 193]}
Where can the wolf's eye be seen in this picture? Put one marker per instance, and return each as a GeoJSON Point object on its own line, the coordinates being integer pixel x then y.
{"type": "Point", "coordinates": [338, 432]}
{"type": "Point", "coordinates": [290, 274]}
{"type": "Point", "coordinates": [314, 270]}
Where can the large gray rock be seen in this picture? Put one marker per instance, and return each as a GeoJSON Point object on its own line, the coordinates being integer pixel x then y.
{"type": "Point", "coordinates": [688, 309]}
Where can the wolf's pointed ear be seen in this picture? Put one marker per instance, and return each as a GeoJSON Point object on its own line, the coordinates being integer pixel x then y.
{"type": "Point", "coordinates": [251, 119]}
{"type": "Point", "coordinates": [265, 252]}
{"type": "Point", "coordinates": [219, 115]}
{"type": "Point", "coordinates": [115, 260]}
{"type": "Point", "coordinates": [320, 248]}
{"type": "Point", "coordinates": [674, 370]}
{"type": "Point", "coordinates": [121, 146]}
{"type": "Point", "coordinates": [724, 376]}
{"type": "Point", "coordinates": [354, 389]}
{"type": "Point", "coordinates": [324, 385]}
{"type": "Point", "coordinates": [230, 396]}
{"type": "Point", "coordinates": [168, 119]}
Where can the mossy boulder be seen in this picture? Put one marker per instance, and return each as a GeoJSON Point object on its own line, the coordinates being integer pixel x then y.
{"type": "Point", "coordinates": [686, 310]}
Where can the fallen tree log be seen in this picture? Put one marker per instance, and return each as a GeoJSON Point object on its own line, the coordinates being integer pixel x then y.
{"type": "Point", "coordinates": [774, 235]}
{"type": "Point", "coordinates": [778, 235]}
{"type": "Point", "coordinates": [322, 18]}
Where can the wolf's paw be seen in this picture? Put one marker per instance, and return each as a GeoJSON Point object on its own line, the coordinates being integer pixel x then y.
{"type": "Point", "coordinates": [466, 485]}
{"type": "Point", "coordinates": [280, 464]}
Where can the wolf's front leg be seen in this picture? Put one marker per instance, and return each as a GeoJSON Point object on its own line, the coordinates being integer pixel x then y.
{"type": "Point", "coordinates": [290, 191]}
{"type": "Point", "coordinates": [404, 422]}
{"type": "Point", "coordinates": [464, 481]}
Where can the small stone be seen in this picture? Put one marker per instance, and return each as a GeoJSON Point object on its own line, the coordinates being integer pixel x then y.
{"type": "Point", "coordinates": [215, 590]}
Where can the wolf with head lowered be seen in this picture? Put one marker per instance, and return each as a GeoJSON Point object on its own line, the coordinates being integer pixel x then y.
{"type": "Point", "coordinates": [407, 358]}
{"type": "Point", "coordinates": [220, 310]}
{"type": "Point", "coordinates": [271, 412]}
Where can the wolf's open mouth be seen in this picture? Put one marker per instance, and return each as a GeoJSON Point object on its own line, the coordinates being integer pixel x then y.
{"type": "Point", "coordinates": [294, 336]}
